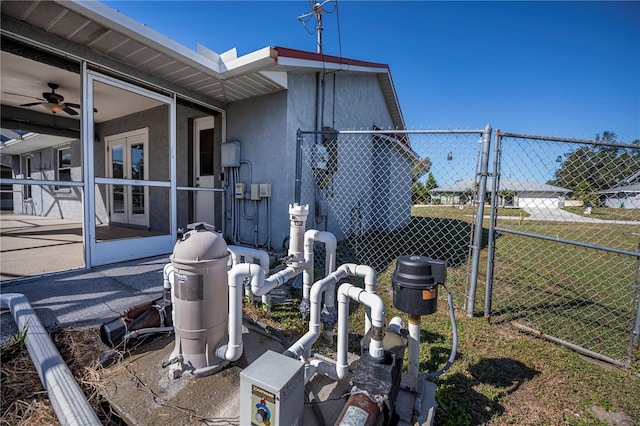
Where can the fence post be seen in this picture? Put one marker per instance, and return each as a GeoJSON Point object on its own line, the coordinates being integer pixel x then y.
{"type": "Point", "coordinates": [477, 236]}
{"type": "Point", "coordinates": [298, 183]}
{"type": "Point", "coordinates": [491, 249]}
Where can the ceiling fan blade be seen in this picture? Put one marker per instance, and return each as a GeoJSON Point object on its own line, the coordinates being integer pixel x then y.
{"type": "Point", "coordinates": [77, 106]}
{"type": "Point", "coordinates": [70, 111]}
{"type": "Point", "coordinates": [31, 104]}
{"type": "Point", "coordinates": [24, 96]}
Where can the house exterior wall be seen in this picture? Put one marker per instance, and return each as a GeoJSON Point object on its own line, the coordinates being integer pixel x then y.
{"type": "Point", "coordinates": [268, 156]}
{"type": "Point", "coordinates": [351, 102]}
{"type": "Point", "coordinates": [266, 128]}
{"type": "Point", "coordinates": [47, 200]}
{"type": "Point", "coordinates": [623, 201]}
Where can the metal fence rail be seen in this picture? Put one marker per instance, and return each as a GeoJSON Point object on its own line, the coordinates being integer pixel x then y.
{"type": "Point", "coordinates": [384, 194]}
{"type": "Point", "coordinates": [566, 266]}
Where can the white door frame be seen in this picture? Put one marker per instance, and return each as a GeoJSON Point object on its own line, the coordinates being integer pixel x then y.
{"type": "Point", "coordinates": [104, 252]}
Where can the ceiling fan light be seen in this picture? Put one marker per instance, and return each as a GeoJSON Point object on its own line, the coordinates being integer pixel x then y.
{"type": "Point", "coordinates": [53, 107]}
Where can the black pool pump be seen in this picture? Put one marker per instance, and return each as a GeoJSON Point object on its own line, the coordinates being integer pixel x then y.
{"type": "Point", "coordinates": [415, 284]}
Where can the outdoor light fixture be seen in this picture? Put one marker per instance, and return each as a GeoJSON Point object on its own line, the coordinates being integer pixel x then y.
{"type": "Point", "coordinates": [449, 156]}
{"type": "Point", "coordinates": [53, 107]}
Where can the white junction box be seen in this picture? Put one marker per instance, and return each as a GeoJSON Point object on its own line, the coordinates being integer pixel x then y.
{"type": "Point", "coordinates": [272, 391]}
{"type": "Point", "coordinates": [265, 190]}
{"type": "Point", "coordinates": [255, 191]}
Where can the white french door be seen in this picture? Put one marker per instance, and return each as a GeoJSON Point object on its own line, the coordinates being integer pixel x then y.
{"type": "Point", "coordinates": [127, 158]}
{"type": "Point", "coordinates": [208, 204]}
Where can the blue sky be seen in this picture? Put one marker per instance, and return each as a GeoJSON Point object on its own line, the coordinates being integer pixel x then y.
{"type": "Point", "coordinates": [567, 69]}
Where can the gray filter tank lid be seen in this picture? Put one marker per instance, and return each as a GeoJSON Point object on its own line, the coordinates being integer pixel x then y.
{"type": "Point", "coordinates": [200, 245]}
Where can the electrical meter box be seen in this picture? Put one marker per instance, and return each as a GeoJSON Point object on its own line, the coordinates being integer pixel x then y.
{"type": "Point", "coordinates": [240, 189]}
{"type": "Point", "coordinates": [230, 154]}
{"type": "Point", "coordinates": [272, 391]}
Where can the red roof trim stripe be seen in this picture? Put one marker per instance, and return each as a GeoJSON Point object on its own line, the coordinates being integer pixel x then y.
{"type": "Point", "coordinates": [301, 54]}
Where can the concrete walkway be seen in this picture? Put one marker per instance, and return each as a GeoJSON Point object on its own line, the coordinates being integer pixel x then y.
{"type": "Point", "coordinates": [560, 215]}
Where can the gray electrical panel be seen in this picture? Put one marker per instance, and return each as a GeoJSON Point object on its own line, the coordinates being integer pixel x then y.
{"type": "Point", "coordinates": [272, 391]}
{"type": "Point", "coordinates": [230, 154]}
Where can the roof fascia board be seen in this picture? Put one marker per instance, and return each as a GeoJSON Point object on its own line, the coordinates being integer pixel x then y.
{"type": "Point", "coordinates": [306, 63]}
{"type": "Point", "coordinates": [31, 35]}
{"type": "Point", "coordinates": [251, 62]}
{"type": "Point", "coordinates": [395, 99]}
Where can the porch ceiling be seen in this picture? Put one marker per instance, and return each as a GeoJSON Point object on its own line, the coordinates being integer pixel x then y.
{"type": "Point", "coordinates": [109, 34]}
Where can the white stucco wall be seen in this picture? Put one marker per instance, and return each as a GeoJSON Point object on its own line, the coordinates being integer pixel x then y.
{"type": "Point", "coordinates": [260, 125]}
{"type": "Point", "coordinates": [266, 128]}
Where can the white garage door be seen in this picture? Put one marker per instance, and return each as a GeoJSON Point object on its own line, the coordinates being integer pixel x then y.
{"type": "Point", "coordinates": [538, 203]}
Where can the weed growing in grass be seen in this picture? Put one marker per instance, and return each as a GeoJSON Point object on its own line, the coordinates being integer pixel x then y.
{"type": "Point", "coordinates": [15, 346]}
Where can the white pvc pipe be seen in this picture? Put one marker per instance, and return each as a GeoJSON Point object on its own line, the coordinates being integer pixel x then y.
{"type": "Point", "coordinates": [414, 345]}
{"type": "Point", "coordinates": [167, 283]}
{"type": "Point", "coordinates": [232, 350]}
{"type": "Point", "coordinates": [302, 347]}
{"type": "Point", "coordinates": [370, 277]}
{"type": "Point", "coordinates": [68, 401]}
{"type": "Point", "coordinates": [376, 350]}
{"type": "Point", "coordinates": [275, 280]}
{"type": "Point", "coordinates": [250, 255]}
{"type": "Point", "coordinates": [331, 244]}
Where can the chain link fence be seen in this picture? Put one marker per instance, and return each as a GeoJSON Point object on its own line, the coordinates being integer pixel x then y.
{"type": "Point", "coordinates": [557, 245]}
{"type": "Point", "coordinates": [380, 193]}
{"type": "Point", "coordinates": [565, 266]}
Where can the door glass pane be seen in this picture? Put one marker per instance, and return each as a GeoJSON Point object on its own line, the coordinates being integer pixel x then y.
{"type": "Point", "coordinates": [206, 152]}
{"type": "Point", "coordinates": [117, 162]}
{"type": "Point", "coordinates": [137, 199]}
{"type": "Point", "coordinates": [137, 161]}
{"type": "Point", "coordinates": [118, 198]}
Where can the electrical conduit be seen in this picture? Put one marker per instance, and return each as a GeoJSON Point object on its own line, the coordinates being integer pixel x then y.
{"type": "Point", "coordinates": [68, 401]}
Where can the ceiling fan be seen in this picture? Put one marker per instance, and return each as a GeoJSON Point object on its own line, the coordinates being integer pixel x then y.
{"type": "Point", "coordinates": [52, 101]}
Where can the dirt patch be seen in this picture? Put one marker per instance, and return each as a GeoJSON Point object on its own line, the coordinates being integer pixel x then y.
{"type": "Point", "coordinates": [611, 417]}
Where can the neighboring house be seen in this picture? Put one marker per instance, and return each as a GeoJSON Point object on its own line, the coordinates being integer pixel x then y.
{"type": "Point", "coordinates": [154, 136]}
{"type": "Point", "coordinates": [625, 195]}
{"type": "Point", "coordinates": [512, 193]}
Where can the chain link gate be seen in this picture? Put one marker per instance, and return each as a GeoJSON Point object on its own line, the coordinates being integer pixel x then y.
{"type": "Point", "coordinates": [384, 194]}
{"type": "Point", "coordinates": [566, 265]}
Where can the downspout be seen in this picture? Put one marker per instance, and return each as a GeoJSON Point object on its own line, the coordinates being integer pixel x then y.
{"type": "Point", "coordinates": [376, 349]}
{"type": "Point", "coordinates": [68, 401]}
{"type": "Point", "coordinates": [232, 350]}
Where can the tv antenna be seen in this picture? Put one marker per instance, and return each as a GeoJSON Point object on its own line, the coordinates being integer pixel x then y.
{"type": "Point", "coordinates": [317, 13]}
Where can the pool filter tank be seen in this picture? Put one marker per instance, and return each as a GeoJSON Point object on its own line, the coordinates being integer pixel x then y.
{"type": "Point", "coordinates": [200, 302]}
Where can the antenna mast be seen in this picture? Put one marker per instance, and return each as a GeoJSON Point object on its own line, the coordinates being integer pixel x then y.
{"type": "Point", "coordinates": [317, 12]}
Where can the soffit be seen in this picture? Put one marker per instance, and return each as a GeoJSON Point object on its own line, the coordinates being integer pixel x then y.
{"type": "Point", "coordinates": [119, 38]}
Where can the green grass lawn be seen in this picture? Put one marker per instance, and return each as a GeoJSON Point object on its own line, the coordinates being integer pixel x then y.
{"type": "Point", "coordinates": [606, 213]}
